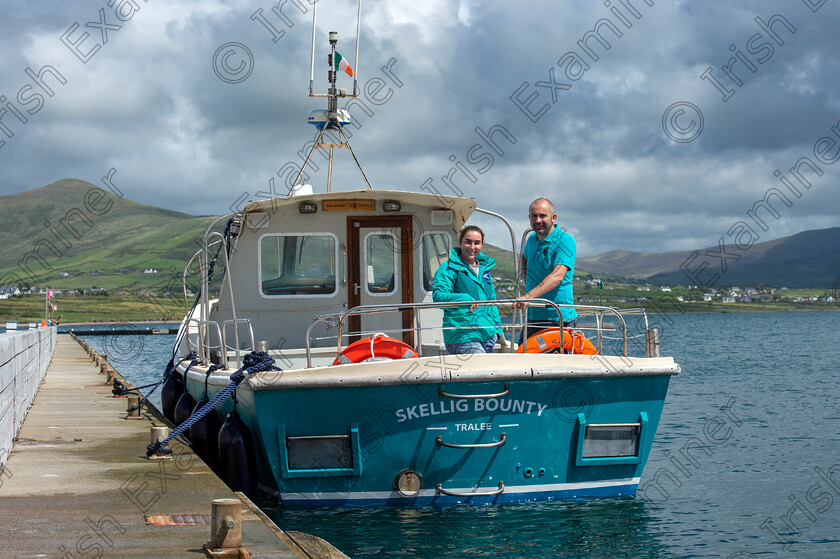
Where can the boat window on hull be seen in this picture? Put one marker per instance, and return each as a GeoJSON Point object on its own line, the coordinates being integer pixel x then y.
{"type": "Point", "coordinates": [298, 264]}
{"type": "Point", "coordinates": [435, 253]}
{"type": "Point", "coordinates": [601, 441]}
{"type": "Point", "coordinates": [380, 264]}
{"type": "Point", "coordinates": [312, 453]}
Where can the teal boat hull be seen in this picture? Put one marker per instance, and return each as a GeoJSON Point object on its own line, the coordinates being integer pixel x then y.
{"type": "Point", "coordinates": [525, 440]}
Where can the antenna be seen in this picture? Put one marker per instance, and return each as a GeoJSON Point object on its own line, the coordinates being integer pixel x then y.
{"type": "Point", "coordinates": [333, 39]}
{"type": "Point", "coordinates": [332, 118]}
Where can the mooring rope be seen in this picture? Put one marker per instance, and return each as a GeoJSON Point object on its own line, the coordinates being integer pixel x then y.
{"type": "Point", "coordinates": [171, 368]}
{"type": "Point", "coordinates": [253, 362]}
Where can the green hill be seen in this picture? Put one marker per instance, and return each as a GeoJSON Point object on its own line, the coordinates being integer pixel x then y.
{"type": "Point", "coordinates": [74, 235]}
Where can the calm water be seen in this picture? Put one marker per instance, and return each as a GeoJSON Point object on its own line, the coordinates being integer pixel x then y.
{"type": "Point", "coordinates": [776, 372]}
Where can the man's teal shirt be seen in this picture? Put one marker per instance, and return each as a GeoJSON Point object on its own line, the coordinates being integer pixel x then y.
{"type": "Point", "coordinates": [558, 248]}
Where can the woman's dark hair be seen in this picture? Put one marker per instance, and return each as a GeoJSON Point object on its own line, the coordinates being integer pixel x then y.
{"type": "Point", "coordinates": [469, 228]}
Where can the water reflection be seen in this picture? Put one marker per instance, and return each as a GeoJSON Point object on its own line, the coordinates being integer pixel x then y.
{"type": "Point", "coordinates": [597, 528]}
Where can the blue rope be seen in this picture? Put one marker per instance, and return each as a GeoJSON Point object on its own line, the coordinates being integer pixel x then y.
{"type": "Point", "coordinates": [210, 370]}
{"type": "Point", "coordinates": [191, 355]}
{"type": "Point", "coordinates": [120, 389]}
{"type": "Point", "coordinates": [253, 362]}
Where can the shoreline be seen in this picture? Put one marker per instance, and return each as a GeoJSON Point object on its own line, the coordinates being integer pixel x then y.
{"type": "Point", "coordinates": [652, 311]}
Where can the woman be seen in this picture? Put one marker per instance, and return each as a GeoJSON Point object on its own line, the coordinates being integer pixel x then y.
{"type": "Point", "coordinates": [466, 277]}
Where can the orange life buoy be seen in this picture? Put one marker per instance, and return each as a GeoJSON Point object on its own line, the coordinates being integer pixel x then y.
{"type": "Point", "coordinates": [375, 347]}
{"type": "Point", "coordinates": [548, 341]}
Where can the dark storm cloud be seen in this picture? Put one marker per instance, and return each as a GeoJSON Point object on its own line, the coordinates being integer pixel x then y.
{"type": "Point", "coordinates": [150, 105]}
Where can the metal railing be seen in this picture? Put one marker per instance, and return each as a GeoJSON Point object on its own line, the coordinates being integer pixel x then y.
{"type": "Point", "coordinates": [339, 319]}
{"type": "Point", "coordinates": [236, 347]}
{"type": "Point", "coordinates": [203, 345]}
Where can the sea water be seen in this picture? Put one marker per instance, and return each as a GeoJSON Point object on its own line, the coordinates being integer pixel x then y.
{"type": "Point", "coordinates": [746, 461]}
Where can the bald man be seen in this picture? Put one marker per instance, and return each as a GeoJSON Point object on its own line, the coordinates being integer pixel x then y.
{"type": "Point", "coordinates": [548, 263]}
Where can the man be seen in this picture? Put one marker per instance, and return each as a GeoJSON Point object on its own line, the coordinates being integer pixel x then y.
{"type": "Point", "coordinates": [548, 263]}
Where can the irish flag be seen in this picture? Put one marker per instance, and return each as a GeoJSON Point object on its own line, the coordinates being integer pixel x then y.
{"type": "Point", "coordinates": [341, 65]}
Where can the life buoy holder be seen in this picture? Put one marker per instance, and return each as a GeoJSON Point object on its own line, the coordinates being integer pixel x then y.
{"type": "Point", "coordinates": [549, 341]}
{"type": "Point", "coordinates": [375, 347]}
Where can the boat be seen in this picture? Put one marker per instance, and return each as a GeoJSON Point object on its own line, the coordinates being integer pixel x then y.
{"type": "Point", "coordinates": [364, 405]}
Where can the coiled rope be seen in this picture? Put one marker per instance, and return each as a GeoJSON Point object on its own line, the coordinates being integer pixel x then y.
{"type": "Point", "coordinates": [253, 362]}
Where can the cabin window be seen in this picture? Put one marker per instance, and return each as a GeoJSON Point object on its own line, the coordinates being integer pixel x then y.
{"type": "Point", "coordinates": [380, 263]}
{"type": "Point", "coordinates": [298, 264]}
{"type": "Point", "coordinates": [435, 252]}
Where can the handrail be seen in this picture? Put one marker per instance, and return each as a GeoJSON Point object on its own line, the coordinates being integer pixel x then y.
{"type": "Point", "coordinates": [520, 277]}
{"type": "Point", "coordinates": [204, 349]}
{"type": "Point", "coordinates": [236, 321]}
{"type": "Point", "coordinates": [187, 321]}
{"type": "Point", "coordinates": [228, 275]}
{"type": "Point", "coordinates": [184, 277]}
{"type": "Point", "coordinates": [500, 442]}
{"type": "Point", "coordinates": [205, 280]}
{"type": "Point", "coordinates": [401, 307]}
{"type": "Point", "coordinates": [498, 491]}
{"type": "Point", "coordinates": [516, 262]}
{"type": "Point", "coordinates": [442, 394]}
{"type": "Point", "coordinates": [186, 268]}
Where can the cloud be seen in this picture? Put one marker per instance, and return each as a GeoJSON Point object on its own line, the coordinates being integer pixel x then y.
{"type": "Point", "coordinates": [149, 104]}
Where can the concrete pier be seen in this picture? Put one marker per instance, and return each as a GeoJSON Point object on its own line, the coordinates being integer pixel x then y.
{"type": "Point", "coordinates": [77, 483]}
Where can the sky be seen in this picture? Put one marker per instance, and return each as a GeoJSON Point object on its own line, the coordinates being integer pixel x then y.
{"type": "Point", "coordinates": [653, 126]}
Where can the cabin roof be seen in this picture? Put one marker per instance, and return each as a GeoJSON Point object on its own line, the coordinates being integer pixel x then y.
{"type": "Point", "coordinates": [461, 208]}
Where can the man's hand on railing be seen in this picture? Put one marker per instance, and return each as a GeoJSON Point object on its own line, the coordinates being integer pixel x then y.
{"type": "Point", "coordinates": [522, 304]}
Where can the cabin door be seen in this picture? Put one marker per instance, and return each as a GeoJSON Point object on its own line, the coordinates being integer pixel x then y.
{"type": "Point", "coordinates": [379, 255]}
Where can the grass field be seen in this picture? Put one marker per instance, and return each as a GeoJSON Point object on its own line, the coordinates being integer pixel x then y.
{"type": "Point", "coordinates": [88, 308]}
{"type": "Point", "coordinates": [114, 308]}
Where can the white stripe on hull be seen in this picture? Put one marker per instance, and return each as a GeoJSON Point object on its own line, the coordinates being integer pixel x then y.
{"type": "Point", "coordinates": [431, 493]}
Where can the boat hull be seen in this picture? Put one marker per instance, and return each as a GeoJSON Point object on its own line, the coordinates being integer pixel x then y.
{"type": "Point", "coordinates": [482, 442]}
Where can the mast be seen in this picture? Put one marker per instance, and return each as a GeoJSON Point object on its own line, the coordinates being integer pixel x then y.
{"type": "Point", "coordinates": [333, 118]}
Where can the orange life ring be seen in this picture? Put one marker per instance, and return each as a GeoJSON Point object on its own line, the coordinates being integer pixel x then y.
{"type": "Point", "coordinates": [374, 347]}
{"type": "Point", "coordinates": [548, 341]}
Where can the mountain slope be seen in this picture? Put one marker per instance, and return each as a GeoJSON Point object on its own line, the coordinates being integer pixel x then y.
{"type": "Point", "coordinates": [74, 227]}
{"type": "Point", "coordinates": [807, 259]}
